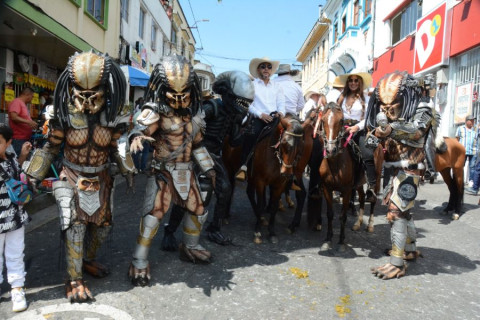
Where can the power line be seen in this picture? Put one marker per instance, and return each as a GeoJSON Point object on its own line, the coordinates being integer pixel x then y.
{"type": "Point", "coordinates": [241, 59]}
{"type": "Point", "coordinates": [195, 19]}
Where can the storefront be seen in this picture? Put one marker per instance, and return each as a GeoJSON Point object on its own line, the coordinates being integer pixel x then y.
{"type": "Point", "coordinates": [464, 73]}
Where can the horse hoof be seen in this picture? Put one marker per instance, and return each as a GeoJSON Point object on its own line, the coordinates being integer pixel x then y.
{"type": "Point", "coordinates": [370, 229]}
{"type": "Point", "coordinates": [455, 216]}
{"type": "Point", "coordinates": [273, 239]}
{"type": "Point", "coordinates": [257, 238]}
{"type": "Point", "coordinates": [356, 226]}
{"type": "Point", "coordinates": [326, 246]}
{"type": "Point", "coordinates": [318, 227]}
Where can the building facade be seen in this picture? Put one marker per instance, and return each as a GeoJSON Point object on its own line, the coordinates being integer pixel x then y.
{"type": "Point", "coordinates": [314, 56]}
{"type": "Point", "coordinates": [351, 34]}
{"type": "Point", "coordinates": [37, 38]}
{"type": "Point", "coordinates": [437, 42]}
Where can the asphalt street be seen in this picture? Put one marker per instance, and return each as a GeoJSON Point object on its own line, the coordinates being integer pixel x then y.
{"type": "Point", "coordinates": [288, 280]}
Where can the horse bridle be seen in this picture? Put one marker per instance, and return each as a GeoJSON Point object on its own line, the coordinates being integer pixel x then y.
{"type": "Point", "coordinates": [277, 151]}
{"type": "Point", "coordinates": [337, 142]}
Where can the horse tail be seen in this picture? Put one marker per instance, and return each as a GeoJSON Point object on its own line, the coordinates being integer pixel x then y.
{"type": "Point", "coordinates": [440, 145]}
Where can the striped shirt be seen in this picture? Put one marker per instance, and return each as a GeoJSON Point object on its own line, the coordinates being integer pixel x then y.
{"type": "Point", "coordinates": [468, 138]}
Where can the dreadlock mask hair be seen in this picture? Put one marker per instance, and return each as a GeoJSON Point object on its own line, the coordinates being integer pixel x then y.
{"type": "Point", "coordinates": [397, 95]}
{"type": "Point", "coordinates": [174, 84]}
{"type": "Point", "coordinates": [91, 82]}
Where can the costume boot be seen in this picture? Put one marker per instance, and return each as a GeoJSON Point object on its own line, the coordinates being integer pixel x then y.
{"type": "Point", "coordinates": [190, 249]}
{"type": "Point", "coordinates": [95, 237]}
{"type": "Point", "coordinates": [75, 288]}
{"type": "Point", "coordinates": [139, 271]}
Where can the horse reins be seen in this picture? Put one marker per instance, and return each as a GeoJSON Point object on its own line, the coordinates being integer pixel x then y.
{"type": "Point", "coordinates": [277, 152]}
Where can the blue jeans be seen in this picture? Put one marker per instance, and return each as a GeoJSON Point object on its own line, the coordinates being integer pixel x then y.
{"type": "Point", "coordinates": [17, 145]}
{"type": "Point", "coordinates": [140, 158]}
{"type": "Point", "coordinates": [476, 176]}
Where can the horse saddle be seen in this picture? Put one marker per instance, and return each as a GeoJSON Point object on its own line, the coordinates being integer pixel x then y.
{"type": "Point", "coordinates": [268, 129]}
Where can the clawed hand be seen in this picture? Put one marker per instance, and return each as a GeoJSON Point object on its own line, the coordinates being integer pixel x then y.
{"type": "Point", "coordinates": [137, 143]}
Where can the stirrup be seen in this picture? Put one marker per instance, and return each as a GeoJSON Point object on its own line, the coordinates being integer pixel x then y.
{"type": "Point", "coordinates": [241, 176]}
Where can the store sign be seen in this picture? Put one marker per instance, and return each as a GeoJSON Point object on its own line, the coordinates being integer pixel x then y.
{"type": "Point", "coordinates": [430, 40]}
{"type": "Point", "coordinates": [9, 95]}
{"type": "Point", "coordinates": [35, 99]}
{"type": "Point", "coordinates": [463, 102]}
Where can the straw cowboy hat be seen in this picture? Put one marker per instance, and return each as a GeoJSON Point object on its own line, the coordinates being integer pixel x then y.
{"type": "Point", "coordinates": [337, 83]}
{"type": "Point", "coordinates": [285, 68]}
{"type": "Point", "coordinates": [367, 78]}
{"type": "Point", "coordinates": [255, 62]}
{"type": "Point", "coordinates": [310, 93]}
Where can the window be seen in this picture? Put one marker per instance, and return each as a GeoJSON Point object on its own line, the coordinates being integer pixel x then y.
{"type": "Point", "coordinates": [344, 23]}
{"type": "Point", "coordinates": [98, 10]}
{"type": "Point", "coordinates": [153, 37]}
{"type": "Point", "coordinates": [323, 50]}
{"type": "Point", "coordinates": [182, 53]}
{"type": "Point", "coordinates": [141, 22]}
{"type": "Point", "coordinates": [335, 32]}
{"type": "Point", "coordinates": [124, 9]}
{"type": "Point", "coordinates": [356, 13]}
{"type": "Point", "coordinates": [368, 7]}
{"type": "Point", "coordinates": [405, 22]}
{"type": "Point", "coordinates": [174, 36]}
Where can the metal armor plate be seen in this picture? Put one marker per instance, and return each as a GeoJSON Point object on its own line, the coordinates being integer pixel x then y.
{"type": "Point", "coordinates": [89, 194]}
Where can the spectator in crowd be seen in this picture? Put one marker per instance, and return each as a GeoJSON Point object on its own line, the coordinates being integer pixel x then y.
{"type": "Point", "coordinates": [269, 98]}
{"type": "Point", "coordinates": [19, 119]}
{"type": "Point", "coordinates": [13, 219]}
{"type": "Point", "coordinates": [138, 105]}
{"type": "Point", "coordinates": [294, 101]}
{"type": "Point", "coordinates": [312, 97]}
{"type": "Point", "coordinates": [468, 136]}
{"type": "Point", "coordinates": [337, 88]}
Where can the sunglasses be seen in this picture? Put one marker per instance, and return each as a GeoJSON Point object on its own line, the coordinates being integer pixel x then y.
{"type": "Point", "coordinates": [356, 80]}
{"type": "Point", "coordinates": [265, 66]}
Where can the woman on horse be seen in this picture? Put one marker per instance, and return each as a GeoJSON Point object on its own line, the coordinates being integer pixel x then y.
{"type": "Point", "coordinates": [354, 104]}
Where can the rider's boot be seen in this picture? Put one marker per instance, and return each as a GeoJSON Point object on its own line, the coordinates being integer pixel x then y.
{"type": "Point", "coordinates": [430, 155]}
{"type": "Point", "coordinates": [370, 195]}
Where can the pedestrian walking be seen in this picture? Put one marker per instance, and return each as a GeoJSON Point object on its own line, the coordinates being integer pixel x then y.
{"type": "Point", "coordinates": [13, 219]}
{"type": "Point", "coordinates": [468, 137]}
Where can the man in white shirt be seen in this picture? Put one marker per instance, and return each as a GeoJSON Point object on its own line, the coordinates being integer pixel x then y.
{"type": "Point", "coordinates": [294, 101]}
{"type": "Point", "coordinates": [269, 98]}
{"type": "Point", "coordinates": [334, 93]}
{"type": "Point", "coordinates": [312, 98]}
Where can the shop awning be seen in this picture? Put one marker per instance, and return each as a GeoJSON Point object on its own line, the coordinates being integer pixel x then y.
{"type": "Point", "coordinates": [137, 77]}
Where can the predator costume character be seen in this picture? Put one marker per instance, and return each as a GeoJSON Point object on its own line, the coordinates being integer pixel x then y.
{"type": "Point", "coordinates": [223, 118]}
{"type": "Point", "coordinates": [173, 121]}
{"type": "Point", "coordinates": [402, 123]}
{"type": "Point", "coordinates": [88, 119]}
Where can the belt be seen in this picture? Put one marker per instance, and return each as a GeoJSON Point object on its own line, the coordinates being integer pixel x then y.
{"type": "Point", "coordinates": [159, 165]}
{"type": "Point", "coordinates": [84, 169]}
{"type": "Point", "coordinates": [350, 122]}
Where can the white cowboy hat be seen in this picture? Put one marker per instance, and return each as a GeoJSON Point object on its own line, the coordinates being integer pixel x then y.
{"type": "Point", "coordinates": [255, 62]}
{"type": "Point", "coordinates": [366, 77]}
{"type": "Point", "coordinates": [285, 68]}
{"type": "Point", "coordinates": [310, 92]}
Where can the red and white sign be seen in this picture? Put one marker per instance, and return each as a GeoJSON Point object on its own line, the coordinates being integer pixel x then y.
{"type": "Point", "coordinates": [430, 39]}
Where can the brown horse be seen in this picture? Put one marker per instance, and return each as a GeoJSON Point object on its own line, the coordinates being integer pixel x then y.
{"type": "Point", "coordinates": [272, 165]}
{"type": "Point", "coordinates": [340, 171]}
{"type": "Point", "coordinates": [304, 159]}
{"type": "Point", "coordinates": [450, 165]}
